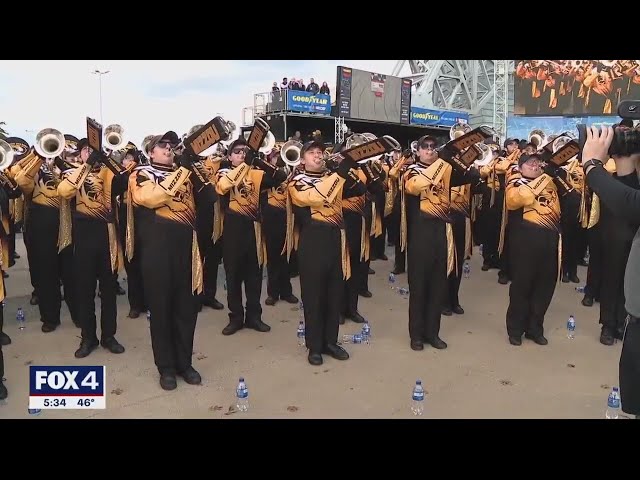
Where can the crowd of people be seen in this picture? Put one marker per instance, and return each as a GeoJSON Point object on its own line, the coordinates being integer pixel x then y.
{"type": "Point", "coordinates": [298, 84]}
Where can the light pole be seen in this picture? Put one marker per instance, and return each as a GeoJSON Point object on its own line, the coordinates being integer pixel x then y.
{"type": "Point", "coordinates": [100, 74]}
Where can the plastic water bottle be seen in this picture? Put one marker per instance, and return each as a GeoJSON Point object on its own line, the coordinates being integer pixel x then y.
{"type": "Point", "coordinates": [148, 315]}
{"type": "Point", "coordinates": [301, 306]}
{"type": "Point", "coordinates": [613, 404]}
{"type": "Point", "coordinates": [480, 249]}
{"type": "Point", "coordinates": [466, 270]}
{"type": "Point", "coordinates": [242, 396]}
{"type": "Point", "coordinates": [571, 327]}
{"type": "Point", "coordinates": [417, 404]}
{"type": "Point", "coordinates": [580, 289]}
{"type": "Point", "coordinates": [301, 338]}
{"type": "Point", "coordinates": [366, 332]}
{"type": "Point", "coordinates": [392, 280]}
{"type": "Point", "coordinates": [20, 318]}
{"type": "Point", "coordinates": [404, 291]}
{"type": "Point", "coordinates": [34, 411]}
{"type": "Point", "coordinates": [357, 338]}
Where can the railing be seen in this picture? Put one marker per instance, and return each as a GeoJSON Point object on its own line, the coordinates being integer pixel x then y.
{"type": "Point", "coordinates": [291, 101]}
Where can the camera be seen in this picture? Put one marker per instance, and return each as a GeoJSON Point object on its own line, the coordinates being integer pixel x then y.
{"type": "Point", "coordinates": [626, 139]}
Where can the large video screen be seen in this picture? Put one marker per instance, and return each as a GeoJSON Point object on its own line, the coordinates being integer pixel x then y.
{"type": "Point", "coordinates": [574, 87]}
{"type": "Point", "coordinates": [373, 96]}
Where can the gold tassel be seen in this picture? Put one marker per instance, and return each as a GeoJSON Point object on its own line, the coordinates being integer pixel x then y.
{"type": "Point", "coordinates": [492, 181]}
{"type": "Point", "coordinates": [451, 250]}
{"type": "Point", "coordinates": [403, 217]}
{"type": "Point", "coordinates": [19, 209]}
{"type": "Point", "coordinates": [582, 214]}
{"type": "Point", "coordinates": [129, 235]}
{"type": "Point", "coordinates": [594, 217]}
{"type": "Point", "coordinates": [114, 250]}
{"type": "Point", "coordinates": [503, 225]}
{"type": "Point", "coordinates": [64, 225]}
{"type": "Point", "coordinates": [346, 261]}
{"type": "Point", "coordinates": [290, 219]}
{"type": "Point", "coordinates": [217, 221]}
{"type": "Point", "coordinates": [468, 249]}
{"type": "Point", "coordinates": [196, 266]}
{"type": "Point", "coordinates": [261, 250]}
{"type": "Point", "coordinates": [363, 240]}
{"type": "Point", "coordinates": [2, 290]}
{"type": "Point", "coordinates": [559, 257]}
{"type": "Point", "coordinates": [389, 198]}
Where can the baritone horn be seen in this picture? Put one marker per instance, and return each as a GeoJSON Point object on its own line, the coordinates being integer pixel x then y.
{"type": "Point", "coordinates": [487, 155]}
{"type": "Point", "coordinates": [537, 137]}
{"type": "Point", "coordinates": [290, 153]}
{"type": "Point", "coordinates": [50, 143]}
{"type": "Point", "coordinates": [114, 137]}
{"type": "Point", "coordinates": [268, 143]}
{"type": "Point", "coordinates": [6, 155]}
{"type": "Point", "coordinates": [458, 130]}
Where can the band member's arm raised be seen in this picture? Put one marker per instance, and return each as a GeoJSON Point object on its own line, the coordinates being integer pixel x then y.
{"type": "Point", "coordinates": [518, 196]}
{"type": "Point", "coordinates": [470, 176]}
{"type": "Point", "coordinates": [316, 195]}
{"type": "Point", "coordinates": [25, 177]}
{"type": "Point", "coordinates": [273, 176]}
{"type": "Point", "coordinates": [353, 186]}
{"type": "Point", "coordinates": [415, 182]}
{"type": "Point", "coordinates": [226, 180]}
{"type": "Point", "coordinates": [146, 192]}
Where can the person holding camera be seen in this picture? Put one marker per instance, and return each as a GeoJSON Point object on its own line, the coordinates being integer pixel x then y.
{"type": "Point", "coordinates": [621, 194]}
{"type": "Point", "coordinates": [617, 230]}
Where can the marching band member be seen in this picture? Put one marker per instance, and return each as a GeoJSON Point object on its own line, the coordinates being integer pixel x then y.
{"type": "Point", "coordinates": [49, 238]}
{"type": "Point", "coordinates": [317, 227]}
{"type": "Point", "coordinates": [534, 235]}
{"type": "Point", "coordinates": [8, 191]}
{"type": "Point", "coordinates": [165, 224]}
{"type": "Point", "coordinates": [274, 224]}
{"type": "Point", "coordinates": [570, 219]}
{"type": "Point", "coordinates": [4, 253]}
{"type": "Point", "coordinates": [430, 255]}
{"type": "Point", "coordinates": [92, 188]}
{"type": "Point", "coordinates": [209, 241]}
{"type": "Point", "coordinates": [244, 248]}
{"type": "Point", "coordinates": [395, 187]}
{"type": "Point", "coordinates": [135, 291]}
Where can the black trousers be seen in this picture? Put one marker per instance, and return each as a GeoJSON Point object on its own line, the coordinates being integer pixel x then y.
{"type": "Point", "coordinates": [629, 369]}
{"type": "Point", "coordinates": [459, 225]}
{"type": "Point", "coordinates": [241, 267]}
{"type": "Point", "coordinates": [491, 222]}
{"type": "Point", "coordinates": [378, 243]}
{"type": "Point", "coordinates": [1, 355]}
{"type": "Point", "coordinates": [48, 267]}
{"type": "Point", "coordinates": [91, 263]}
{"type": "Point", "coordinates": [166, 275]}
{"type": "Point", "coordinates": [570, 233]}
{"type": "Point", "coordinates": [594, 270]}
{"type": "Point", "coordinates": [135, 291]}
{"type": "Point", "coordinates": [321, 284]}
{"type": "Point", "coordinates": [615, 253]}
{"type": "Point", "coordinates": [274, 226]}
{"type": "Point", "coordinates": [427, 275]}
{"type": "Point", "coordinates": [394, 235]}
{"type": "Point", "coordinates": [27, 246]}
{"type": "Point", "coordinates": [359, 269]}
{"type": "Point", "coordinates": [534, 274]}
{"type": "Point", "coordinates": [211, 253]}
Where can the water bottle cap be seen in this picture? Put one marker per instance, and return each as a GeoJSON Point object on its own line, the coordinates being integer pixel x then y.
{"type": "Point", "coordinates": [242, 379]}
{"type": "Point", "coordinates": [615, 389]}
{"type": "Point", "coordinates": [418, 382]}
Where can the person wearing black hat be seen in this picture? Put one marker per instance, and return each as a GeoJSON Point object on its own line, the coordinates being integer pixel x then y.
{"type": "Point", "coordinates": [244, 250]}
{"type": "Point", "coordinates": [534, 229]}
{"type": "Point", "coordinates": [430, 243]}
{"type": "Point", "coordinates": [166, 239]}
{"type": "Point", "coordinates": [317, 230]}
{"type": "Point", "coordinates": [92, 188]}
{"type": "Point", "coordinates": [51, 256]}
{"type": "Point", "coordinates": [135, 290]}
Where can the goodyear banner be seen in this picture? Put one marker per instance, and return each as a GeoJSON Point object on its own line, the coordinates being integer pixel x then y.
{"type": "Point", "coordinates": [442, 118]}
{"type": "Point", "coordinates": [299, 101]}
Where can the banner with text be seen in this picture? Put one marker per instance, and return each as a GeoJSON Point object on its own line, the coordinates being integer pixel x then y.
{"type": "Point", "coordinates": [444, 118]}
{"type": "Point", "coordinates": [299, 101]}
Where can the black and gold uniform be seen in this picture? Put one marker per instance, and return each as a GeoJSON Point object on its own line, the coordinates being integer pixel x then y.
{"type": "Point", "coordinates": [49, 238]}
{"type": "Point", "coordinates": [165, 224]}
{"type": "Point", "coordinates": [4, 261]}
{"type": "Point", "coordinates": [534, 229]}
{"type": "Point", "coordinates": [572, 231]}
{"type": "Point", "coordinates": [430, 245]}
{"type": "Point", "coordinates": [393, 205]}
{"type": "Point", "coordinates": [92, 188]}
{"type": "Point", "coordinates": [209, 241]}
{"type": "Point", "coordinates": [244, 248]}
{"type": "Point", "coordinates": [317, 231]}
{"type": "Point", "coordinates": [274, 224]}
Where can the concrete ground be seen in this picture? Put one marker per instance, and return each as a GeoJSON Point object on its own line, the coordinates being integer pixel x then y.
{"type": "Point", "coordinates": [480, 375]}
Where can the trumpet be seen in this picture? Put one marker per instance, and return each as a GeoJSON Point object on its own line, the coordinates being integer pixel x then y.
{"type": "Point", "coordinates": [290, 153]}
{"type": "Point", "coordinates": [50, 143]}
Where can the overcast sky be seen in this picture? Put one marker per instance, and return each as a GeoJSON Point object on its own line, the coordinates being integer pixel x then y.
{"type": "Point", "coordinates": [146, 96]}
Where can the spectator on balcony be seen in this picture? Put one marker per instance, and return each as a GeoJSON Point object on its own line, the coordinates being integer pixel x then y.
{"type": "Point", "coordinates": [301, 85]}
{"type": "Point", "coordinates": [313, 87]}
{"type": "Point", "coordinates": [293, 84]}
{"type": "Point", "coordinates": [297, 137]}
{"type": "Point", "coordinates": [285, 84]}
{"type": "Point", "coordinates": [275, 87]}
{"type": "Point", "coordinates": [324, 89]}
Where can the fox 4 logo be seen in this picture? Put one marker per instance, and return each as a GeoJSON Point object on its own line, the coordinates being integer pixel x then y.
{"type": "Point", "coordinates": [83, 380]}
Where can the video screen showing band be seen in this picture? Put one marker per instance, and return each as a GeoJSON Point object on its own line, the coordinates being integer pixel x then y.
{"type": "Point", "coordinates": [574, 87]}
